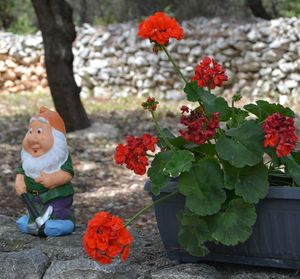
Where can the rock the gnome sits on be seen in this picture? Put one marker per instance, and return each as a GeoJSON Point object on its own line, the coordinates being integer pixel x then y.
{"type": "Point", "coordinates": [44, 177]}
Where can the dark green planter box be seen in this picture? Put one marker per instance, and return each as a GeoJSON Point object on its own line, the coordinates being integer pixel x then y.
{"type": "Point", "coordinates": [275, 241]}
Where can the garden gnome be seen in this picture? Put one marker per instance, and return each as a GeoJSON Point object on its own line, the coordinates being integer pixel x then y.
{"type": "Point", "coordinates": [44, 177]}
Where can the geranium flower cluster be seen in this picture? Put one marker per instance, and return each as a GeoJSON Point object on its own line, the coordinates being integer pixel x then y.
{"type": "Point", "coordinates": [106, 237]}
{"type": "Point", "coordinates": [150, 104]}
{"type": "Point", "coordinates": [199, 127]}
{"type": "Point", "coordinates": [280, 132]}
{"type": "Point", "coordinates": [133, 154]}
{"type": "Point", "coordinates": [209, 73]}
{"type": "Point", "coordinates": [159, 28]}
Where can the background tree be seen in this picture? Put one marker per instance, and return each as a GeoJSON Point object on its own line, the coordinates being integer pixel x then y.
{"type": "Point", "coordinates": [58, 32]}
{"type": "Point", "coordinates": [258, 9]}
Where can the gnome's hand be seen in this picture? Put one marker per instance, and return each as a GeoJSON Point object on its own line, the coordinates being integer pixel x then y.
{"type": "Point", "coordinates": [46, 179]}
{"type": "Point", "coordinates": [20, 184]}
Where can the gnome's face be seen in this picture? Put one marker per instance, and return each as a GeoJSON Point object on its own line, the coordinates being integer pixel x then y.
{"type": "Point", "coordinates": [39, 139]}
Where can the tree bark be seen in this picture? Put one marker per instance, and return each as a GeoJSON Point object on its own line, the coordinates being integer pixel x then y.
{"type": "Point", "coordinates": [258, 9]}
{"type": "Point", "coordinates": [58, 32]}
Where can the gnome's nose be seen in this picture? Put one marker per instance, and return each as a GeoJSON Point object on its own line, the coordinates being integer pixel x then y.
{"type": "Point", "coordinates": [32, 139]}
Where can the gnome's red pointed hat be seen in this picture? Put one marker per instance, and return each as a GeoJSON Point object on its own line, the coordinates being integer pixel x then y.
{"type": "Point", "coordinates": [53, 118]}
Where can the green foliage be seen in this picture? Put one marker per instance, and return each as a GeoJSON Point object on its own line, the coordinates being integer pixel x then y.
{"type": "Point", "coordinates": [193, 233]}
{"type": "Point", "coordinates": [233, 225]}
{"type": "Point", "coordinates": [262, 109]}
{"type": "Point", "coordinates": [17, 18]}
{"type": "Point", "coordinates": [241, 180]}
{"type": "Point", "coordinates": [211, 102]}
{"type": "Point", "coordinates": [180, 161]}
{"type": "Point", "coordinates": [282, 8]}
{"type": "Point", "coordinates": [202, 186]}
{"type": "Point", "coordinates": [293, 168]}
{"type": "Point", "coordinates": [247, 140]}
{"type": "Point", "coordinates": [224, 179]}
{"type": "Point", "coordinates": [221, 180]}
{"type": "Point", "coordinates": [156, 172]}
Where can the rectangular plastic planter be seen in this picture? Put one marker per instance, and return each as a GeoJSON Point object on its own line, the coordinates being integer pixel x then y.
{"type": "Point", "coordinates": [275, 241]}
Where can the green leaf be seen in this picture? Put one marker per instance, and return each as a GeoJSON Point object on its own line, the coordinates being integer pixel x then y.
{"type": "Point", "coordinates": [193, 91]}
{"type": "Point", "coordinates": [189, 239]}
{"type": "Point", "coordinates": [245, 147]}
{"type": "Point", "coordinates": [158, 179]}
{"type": "Point", "coordinates": [167, 134]}
{"type": "Point", "coordinates": [293, 168]}
{"type": "Point", "coordinates": [234, 225]}
{"type": "Point", "coordinates": [212, 104]}
{"type": "Point", "coordinates": [203, 187]}
{"type": "Point", "coordinates": [263, 109]}
{"type": "Point", "coordinates": [193, 233]}
{"type": "Point", "coordinates": [180, 161]}
{"type": "Point", "coordinates": [204, 149]}
{"type": "Point", "coordinates": [251, 183]}
{"type": "Point", "coordinates": [230, 174]}
{"type": "Point", "coordinates": [238, 116]}
{"type": "Point", "coordinates": [296, 156]}
{"type": "Point", "coordinates": [175, 141]}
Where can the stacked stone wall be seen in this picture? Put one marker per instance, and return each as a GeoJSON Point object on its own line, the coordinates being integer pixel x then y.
{"type": "Point", "coordinates": [262, 59]}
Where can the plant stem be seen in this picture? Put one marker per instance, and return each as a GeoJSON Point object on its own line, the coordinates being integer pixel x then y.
{"type": "Point", "coordinates": [143, 210]}
{"type": "Point", "coordinates": [150, 155]}
{"type": "Point", "coordinates": [160, 131]}
{"type": "Point", "coordinates": [176, 67]}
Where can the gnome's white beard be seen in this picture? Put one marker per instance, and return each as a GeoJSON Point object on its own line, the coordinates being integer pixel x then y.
{"type": "Point", "coordinates": [49, 162]}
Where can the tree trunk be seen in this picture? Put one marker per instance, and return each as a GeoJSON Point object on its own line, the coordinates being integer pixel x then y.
{"type": "Point", "coordinates": [258, 9]}
{"type": "Point", "coordinates": [83, 12]}
{"type": "Point", "coordinates": [58, 32]}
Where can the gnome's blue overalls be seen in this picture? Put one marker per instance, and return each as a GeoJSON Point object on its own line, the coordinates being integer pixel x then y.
{"type": "Point", "coordinates": [62, 220]}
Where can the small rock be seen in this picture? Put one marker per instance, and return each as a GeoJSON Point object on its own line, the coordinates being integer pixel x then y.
{"type": "Point", "coordinates": [278, 74]}
{"type": "Point", "coordinates": [258, 46]}
{"type": "Point", "coordinates": [291, 83]}
{"type": "Point", "coordinates": [281, 43]}
{"type": "Point", "coordinates": [253, 35]}
{"type": "Point", "coordinates": [79, 268]}
{"type": "Point", "coordinates": [294, 76]}
{"type": "Point", "coordinates": [31, 263]}
{"type": "Point", "coordinates": [265, 71]}
{"type": "Point", "coordinates": [174, 95]}
{"type": "Point", "coordinates": [183, 49]}
{"type": "Point", "coordinates": [271, 56]}
{"type": "Point", "coordinates": [287, 67]}
{"type": "Point", "coordinates": [187, 271]}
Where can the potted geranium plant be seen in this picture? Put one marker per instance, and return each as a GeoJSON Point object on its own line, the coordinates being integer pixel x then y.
{"type": "Point", "coordinates": [210, 176]}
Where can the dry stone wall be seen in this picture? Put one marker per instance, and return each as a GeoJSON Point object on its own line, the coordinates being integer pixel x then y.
{"type": "Point", "coordinates": [262, 59]}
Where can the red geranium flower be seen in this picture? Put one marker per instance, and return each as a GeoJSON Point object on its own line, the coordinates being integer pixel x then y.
{"type": "Point", "coordinates": [106, 237]}
{"type": "Point", "coordinates": [280, 132]}
{"type": "Point", "coordinates": [159, 28]}
{"type": "Point", "coordinates": [133, 154]}
{"type": "Point", "coordinates": [150, 104]}
{"type": "Point", "coordinates": [199, 127]}
{"type": "Point", "coordinates": [121, 153]}
{"type": "Point", "coordinates": [209, 74]}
